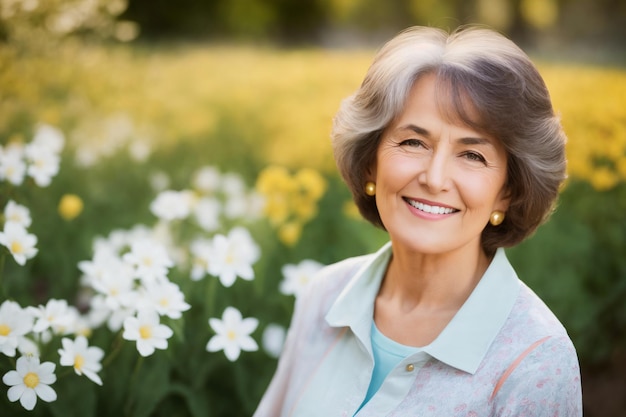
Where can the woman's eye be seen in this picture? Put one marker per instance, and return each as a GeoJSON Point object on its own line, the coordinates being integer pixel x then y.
{"type": "Point", "coordinates": [412, 142]}
{"type": "Point", "coordinates": [473, 156]}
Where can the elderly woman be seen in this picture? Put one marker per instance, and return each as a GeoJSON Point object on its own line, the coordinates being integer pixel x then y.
{"type": "Point", "coordinates": [452, 146]}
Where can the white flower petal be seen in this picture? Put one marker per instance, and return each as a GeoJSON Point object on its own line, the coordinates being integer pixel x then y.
{"type": "Point", "coordinates": [15, 392]}
{"type": "Point", "coordinates": [232, 352]}
{"type": "Point", "coordinates": [12, 378]}
{"type": "Point", "coordinates": [248, 325]}
{"type": "Point", "coordinates": [144, 348]}
{"type": "Point", "coordinates": [93, 376]}
{"type": "Point", "coordinates": [216, 343]}
{"type": "Point", "coordinates": [217, 325]}
{"type": "Point", "coordinates": [46, 393]}
{"type": "Point", "coordinates": [28, 399]}
{"type": "Point", "coordinates": [248, 344]}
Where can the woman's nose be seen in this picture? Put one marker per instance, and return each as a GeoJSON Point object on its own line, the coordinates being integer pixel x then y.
{"type": "Point", "coordinates": [436, 173]}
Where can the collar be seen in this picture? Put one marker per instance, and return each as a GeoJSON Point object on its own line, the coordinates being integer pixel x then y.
{"type": "Point", "coordinates": [464, 342]}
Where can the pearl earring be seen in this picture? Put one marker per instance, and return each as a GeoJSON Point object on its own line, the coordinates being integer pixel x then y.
{"type": "Point", "coordinates": [370, 188]}
{"type": "Point", "coordinates": [496, 218]}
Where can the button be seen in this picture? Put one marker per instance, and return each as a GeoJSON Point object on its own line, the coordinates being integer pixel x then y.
{"type": "Point", "coordinates": [410, 367]}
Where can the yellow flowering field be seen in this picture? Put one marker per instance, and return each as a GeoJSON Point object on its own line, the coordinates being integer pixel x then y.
{"type": "Point", "coordinates": [283, 100]}
{"type": "Point", "coordinates": [592, 103]}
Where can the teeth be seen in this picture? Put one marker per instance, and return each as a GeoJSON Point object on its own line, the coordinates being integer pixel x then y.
{"type": "Point", "coordinates": [431, 209]}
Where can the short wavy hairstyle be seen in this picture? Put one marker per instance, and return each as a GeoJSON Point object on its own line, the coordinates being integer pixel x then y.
{"type": "Point", "coordinates": [508, 100]}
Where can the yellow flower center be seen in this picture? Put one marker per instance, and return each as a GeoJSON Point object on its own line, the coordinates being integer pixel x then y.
{"type": "Point", "coordinates": [79, 361]}
{"type": "Point", "coordinates": [4, 330]}
{"type": "Point", "coordinates": [147, 262]}
{"type": "Point", "coordinates": [145, 332]}
{"type": "Point", "coordinates": [230, 259]}
{"type": "Point", "coordinates": [231, 335]}
{"type": "Point", "coordinates": [31, 380]}
{"type": "Point", "coordinates": [16, 247]}
{"type": "Point", "coordinates": [164, 302]}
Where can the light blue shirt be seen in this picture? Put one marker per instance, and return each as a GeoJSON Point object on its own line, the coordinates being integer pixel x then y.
{"type": "Point", "coordinates": [503, 353]}
{"type": "Point", "coordinates": [387, 354]}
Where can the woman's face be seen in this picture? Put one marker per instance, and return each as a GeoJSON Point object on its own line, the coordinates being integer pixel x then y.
{"type": "Point", "coordinates": [437, 182]}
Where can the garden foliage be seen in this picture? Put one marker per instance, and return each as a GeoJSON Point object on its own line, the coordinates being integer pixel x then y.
{"type": "Point", "coordinates": [220, 157]}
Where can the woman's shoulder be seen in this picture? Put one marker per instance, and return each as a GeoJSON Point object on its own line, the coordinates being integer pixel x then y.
{"type": "Point", "coordinates": [532, 328]}
{"type": "Point", "coordinates": [532, 314]}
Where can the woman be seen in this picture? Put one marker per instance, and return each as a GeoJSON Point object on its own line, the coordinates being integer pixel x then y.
{"type": "Point", "coordinates": [452, 146]}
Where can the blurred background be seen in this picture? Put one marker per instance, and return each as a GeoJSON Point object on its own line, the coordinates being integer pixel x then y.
{"type": "Point", "coordinates": [147, 92]}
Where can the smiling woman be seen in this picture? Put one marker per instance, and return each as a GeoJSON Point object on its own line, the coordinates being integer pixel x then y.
{"type": "Point", "coordinates": [452, 146]}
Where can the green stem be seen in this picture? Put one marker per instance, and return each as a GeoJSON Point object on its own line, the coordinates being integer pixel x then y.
{"type": "Point", "coordinates": [130, 402]}
{"type": "Point", "coordinates": [116, 348]}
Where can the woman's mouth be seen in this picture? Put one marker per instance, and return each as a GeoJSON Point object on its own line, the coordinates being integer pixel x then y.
{"type": "Point", "coordinates": [432, 209]}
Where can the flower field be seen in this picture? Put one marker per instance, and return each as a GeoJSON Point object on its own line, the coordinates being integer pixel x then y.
{"type": "Point", "coordinates": [163, 206]}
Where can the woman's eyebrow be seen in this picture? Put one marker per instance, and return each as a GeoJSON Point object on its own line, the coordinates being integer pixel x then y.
{"type": "Point", "coordinates": [475, 141]}
{"type": "Point", "coordinates": [417, 129]}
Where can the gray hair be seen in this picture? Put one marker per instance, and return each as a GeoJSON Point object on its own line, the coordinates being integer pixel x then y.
{"type": "Point", "coordinates": [509, 101]}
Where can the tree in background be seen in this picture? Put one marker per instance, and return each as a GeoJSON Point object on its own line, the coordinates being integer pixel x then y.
{"type": "Point", "coordinates": [313, 21]}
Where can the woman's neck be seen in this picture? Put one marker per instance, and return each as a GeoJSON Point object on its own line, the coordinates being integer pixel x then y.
{"type": "Point", "coordinates": [432, 281]}
{"type": "Point", "coordinates": [423, 293]}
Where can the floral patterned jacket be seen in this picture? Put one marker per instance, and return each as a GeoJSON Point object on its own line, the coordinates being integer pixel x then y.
{"type": "Point", "coordinates": [503, 354]}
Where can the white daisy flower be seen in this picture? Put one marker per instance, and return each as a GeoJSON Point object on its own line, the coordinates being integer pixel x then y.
{"type": "Point", "coordinates": [85, 359]}
{"type": "Point", "coordinates": [14, 324]}
{"type": "Point", "coordinates": [207, 213]}
{"type": "Point", "coordinates": [297, 277]}
{"type": "Point", "coordinates": [150, 260]}
{"type": "Point", "coordinates": [27, 347]}
{"type": "Point", "coordinates": [146, 330]}
{"type": "Point", "coordinates": [172, 205]}
{"type": "Point", "coordinates": [233, 184]}
{"type": "Point", "coordinates": [43, 164]}
{"type": "Point", "coordinates": [207, 180]}
{"type": "Point", "coordinates": [233, 334]}
{"type": "Point", "coordinates": [105, 262]}
{"type": "Point", "coordinates": [117, 318]}
{"type": "Point", "coordinates": [117, 286]}
{"type": "Point", "coordinates": [201, 254]}
{"type": "Point", "coordinates": [17, 213]}
{"type": "Point", "coordinates": [165, 298]}
{"type": "Point", "coordinates": [56, 315]}
{"type": "Point", "coordinates": [233, 256]}
{"type": "Point", "coordinates": [49, 137]}
{"type": "Point", "coordinates": [12, 164]}
{"type": "Point", "coordinates": [273, 339]}
{"type": "Point", "coordinates": [20, 243]}
{"type": "Point", "coordinates": [236, 206]}
{"type": "Point", "coordinates": [31, 379]}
